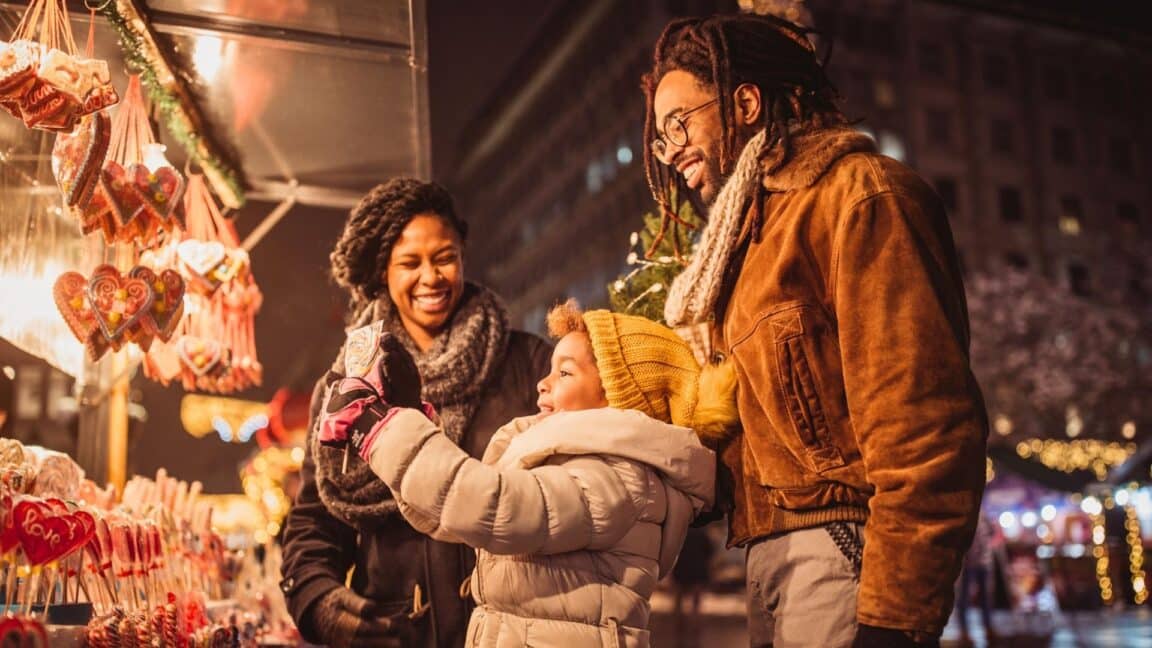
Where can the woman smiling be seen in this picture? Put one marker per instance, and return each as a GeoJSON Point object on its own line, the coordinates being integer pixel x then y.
{"type": "Point", "coordinates": [400, 258]}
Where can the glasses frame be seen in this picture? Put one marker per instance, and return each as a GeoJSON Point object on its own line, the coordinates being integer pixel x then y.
{"type": "Point", "coordinates": [659, 146]}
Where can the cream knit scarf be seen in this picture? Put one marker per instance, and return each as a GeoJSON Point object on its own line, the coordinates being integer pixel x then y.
{"type": "Point", "coordinates": [694, 292]}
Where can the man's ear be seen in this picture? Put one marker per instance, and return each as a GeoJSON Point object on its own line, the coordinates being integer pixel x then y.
{"type": "Point", "coordinates": [746, 100]}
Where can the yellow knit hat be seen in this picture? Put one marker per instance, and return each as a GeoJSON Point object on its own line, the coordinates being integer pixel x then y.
{"type": "Point", "coordinates": [647, 367]}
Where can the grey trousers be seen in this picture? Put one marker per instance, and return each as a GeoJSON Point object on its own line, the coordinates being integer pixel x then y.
{"type": "Point", "coordinates": [802, 587]}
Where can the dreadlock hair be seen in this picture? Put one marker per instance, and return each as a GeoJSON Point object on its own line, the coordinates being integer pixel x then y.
{"type": "Point", "coordinates": [360, 259]}
{"type": "Point", "coordinates": [724, 52]}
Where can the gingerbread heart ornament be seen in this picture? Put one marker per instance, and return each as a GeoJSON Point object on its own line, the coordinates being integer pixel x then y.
{"type": "Point", "coordinates": [169, 306]}
{"type": "Point", "coordinates": [167, 300]}
{"type": "Point", "coordinates": [124, 200]}
{"type": "Point", "coordinates": [96, 213]}
{"type": "Point", "coordinates": [160, 189]}
{"type": "Point", "coordinates": [199, 355]}
{"type": "Point", "coordinates": [70, 292]}
{"type": "Point", "coordinates": [78, 156]}
{"type": "Point", "coordinates": [201, 257]}
{"type": "Point", "coordinates": [118, 302]}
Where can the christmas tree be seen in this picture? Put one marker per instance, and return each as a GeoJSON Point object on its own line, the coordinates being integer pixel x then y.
{"type": "Point", "coordinates": [660, 251]}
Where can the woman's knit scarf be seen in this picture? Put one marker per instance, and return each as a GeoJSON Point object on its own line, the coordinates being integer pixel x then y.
{"type": "Point", "coordinates": [695, 291]}
{"type": "Point", "coordinates": [455, 371]}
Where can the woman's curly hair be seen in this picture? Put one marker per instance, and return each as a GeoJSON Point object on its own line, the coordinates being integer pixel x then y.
{"type": "Point", "coordinates": [360, 259]}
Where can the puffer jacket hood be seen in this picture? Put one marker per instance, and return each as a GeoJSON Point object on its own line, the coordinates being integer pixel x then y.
{"type": "Point", "coordinates": [675, 452]}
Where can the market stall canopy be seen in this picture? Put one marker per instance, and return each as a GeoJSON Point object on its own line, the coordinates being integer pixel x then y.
{"type": "Point", "coordinates": [332, 95]}
{"type": "Point", "coordinates": [314, 101]}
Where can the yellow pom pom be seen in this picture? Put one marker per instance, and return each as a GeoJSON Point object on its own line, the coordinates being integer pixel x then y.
{"type": "Point", "coordinates": [716, 418]}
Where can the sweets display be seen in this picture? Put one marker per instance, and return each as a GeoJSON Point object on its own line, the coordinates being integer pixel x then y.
{"type": "Point", "coordinates": [149, 566]}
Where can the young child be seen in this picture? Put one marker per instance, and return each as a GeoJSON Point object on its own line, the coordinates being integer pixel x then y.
{"type": "Point", "coordinates": [575, 512]}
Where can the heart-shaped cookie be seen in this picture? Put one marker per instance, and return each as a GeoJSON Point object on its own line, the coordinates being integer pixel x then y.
{"type": "Point", "coordinates": [168, 308]}
{"type": "Point", "coordinates": [78, 156]}
{"type": "Point", "coordinates": [200, 356]}
{"type": "Point", "coordinates": [118, 303]}
{"type": "Point", "coordinates": [70, 293]}
{"type": "Point", "coordinates": [160, 189]}
{"type": "Point", "coordinates": [95, 213]}
{"type": "Point", "coordinates": [42, 535]}
{"type": "Point", "coordinates": [78, 534]}
{"type": "Point", "coordinates": [201, 257]}
{"type": "Point", "coordinates": [146, 326]}
{"type": "Point", "coordinates": [125, 201]}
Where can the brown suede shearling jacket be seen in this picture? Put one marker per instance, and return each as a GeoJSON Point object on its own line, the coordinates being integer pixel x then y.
{"type": "Point", "coordinates": [848, 325]}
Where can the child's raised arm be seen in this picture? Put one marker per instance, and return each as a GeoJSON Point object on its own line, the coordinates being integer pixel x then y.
{"type": "Point", "coordinates": [588, 502]}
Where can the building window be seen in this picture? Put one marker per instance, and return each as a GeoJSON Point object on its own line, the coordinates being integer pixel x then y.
{"type": "Point", "coordinates": [1120, 155]}
{"type": "Point", "coordinates": [1071, 215]}
{"type": "Point", "coordinates": [1055, 83]}
{"type": "Point", "coordinates": [1078, 280]}
{"type": "Point", "coordinates": [1000, 136]}
{"type": "Point", "coordinates": [946, 187]}
{"type": "Point", "coordinates": [1016, 260]}
{"type": "Point", "coordinates": [1011, 209]}
{"type": "Point", "coordinates": [995, 70]}
{"type": "Point", "coordinates": [1063, 145]}
{"type": "Point", "coordinates": [931, 57]}
{"type": "Point", "coordinates": [938, 124]}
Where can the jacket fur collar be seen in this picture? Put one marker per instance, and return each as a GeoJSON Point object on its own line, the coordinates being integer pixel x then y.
{"type": "Point", "coordinates": [810, 154]}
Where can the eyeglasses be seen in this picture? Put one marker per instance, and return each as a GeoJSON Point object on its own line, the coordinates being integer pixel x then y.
{"type": "Point", "coordinates": [675, 131]}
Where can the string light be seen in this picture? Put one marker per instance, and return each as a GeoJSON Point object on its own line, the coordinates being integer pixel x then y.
{"type": "Point", "coordinates": [1100, 552]}
{"type": "Point", "coordinates": [1080, 454]}
{"type": "Point", "coordinates": [1135, 554]}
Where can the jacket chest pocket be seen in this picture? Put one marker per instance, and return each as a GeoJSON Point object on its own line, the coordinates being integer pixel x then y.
{"type": "Point", "coordinates": [782, 358]}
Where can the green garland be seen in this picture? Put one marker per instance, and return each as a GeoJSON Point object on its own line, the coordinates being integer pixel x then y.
{"type": "Point", "coordinates": [643, 289]}
{"type": "Point", "coordinates": [200, 146]}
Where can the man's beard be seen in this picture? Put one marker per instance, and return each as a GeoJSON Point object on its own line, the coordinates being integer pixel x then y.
{"type": "Point", "coordinates": [696, 197]}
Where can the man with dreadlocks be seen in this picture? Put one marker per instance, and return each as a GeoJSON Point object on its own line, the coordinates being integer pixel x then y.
{"type": "Point", "coordinates": [828, 273]}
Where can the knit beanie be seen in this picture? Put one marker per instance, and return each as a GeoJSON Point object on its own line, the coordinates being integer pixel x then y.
{"type": "Point", "coordinates": [647, 367]}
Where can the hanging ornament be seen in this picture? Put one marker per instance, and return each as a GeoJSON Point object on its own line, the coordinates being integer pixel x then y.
{"type": "Point", "coordinates": [214, 348]}
{"type": "Point", "coordinates": [43, 81]}
{"type": "Point", "coordinates": [135, 192]}
{"type": "Point", "coordinates": [110, 309]}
